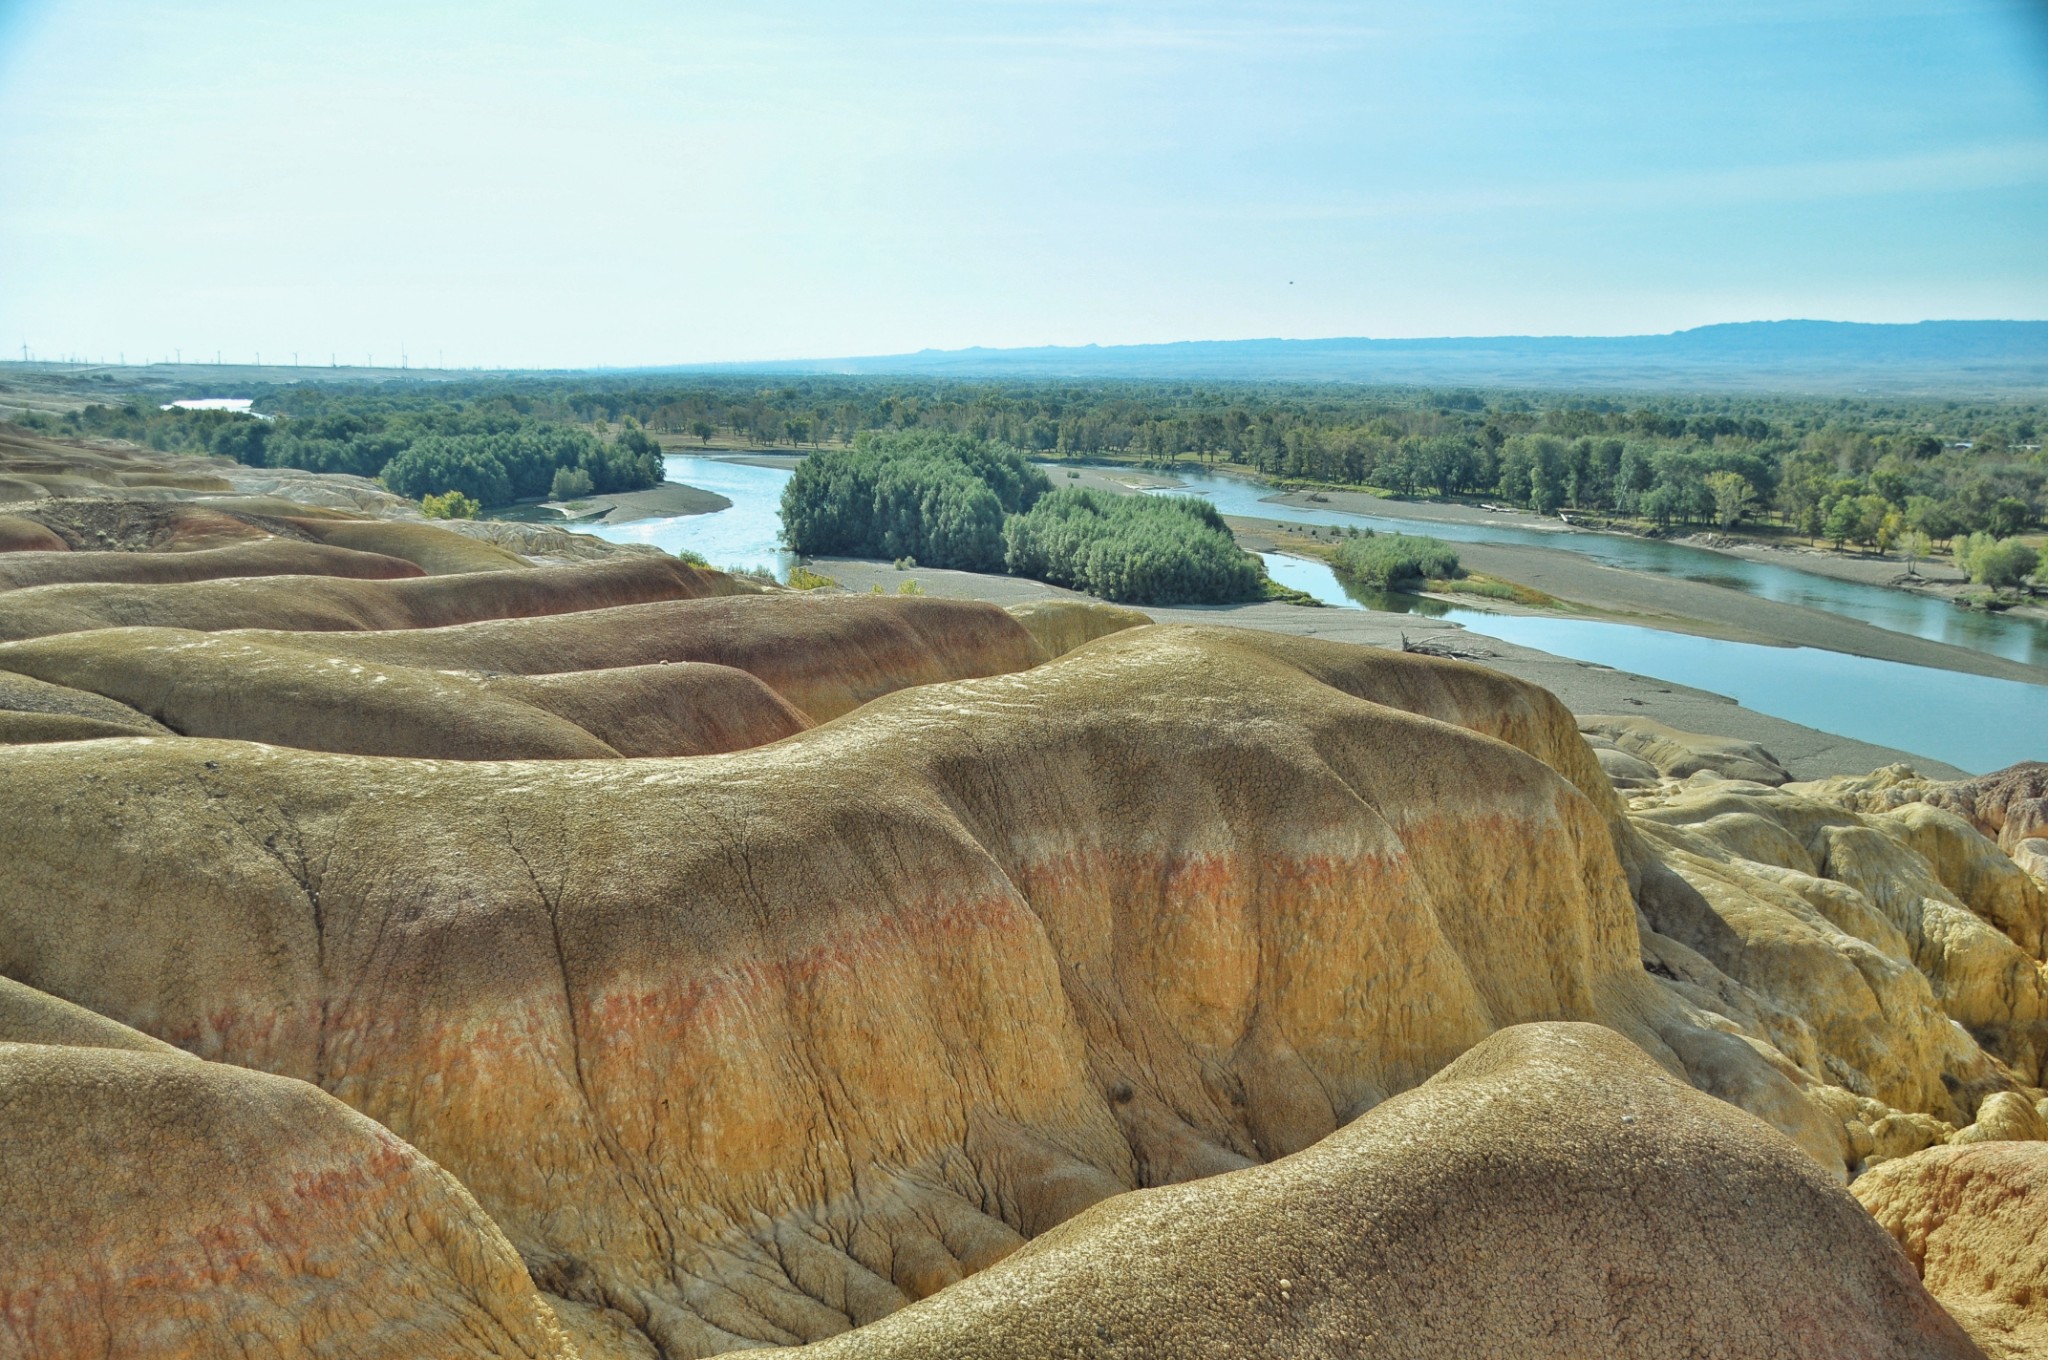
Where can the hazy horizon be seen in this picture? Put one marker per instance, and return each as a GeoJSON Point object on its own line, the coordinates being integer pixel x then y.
{"type": "Point", "coordinates": [642, 185]}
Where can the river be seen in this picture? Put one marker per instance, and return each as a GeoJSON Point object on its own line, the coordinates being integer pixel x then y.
{"type": "Point", "coordinates": [748, 536]}
{"type": "Point", "coordinates": [1970, 721]}
{"type": "Point", "coordinates": [2016, 639]}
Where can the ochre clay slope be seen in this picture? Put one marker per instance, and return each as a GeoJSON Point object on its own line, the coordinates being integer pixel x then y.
{"type": "Point", "coordinates": [322, 604]}
{"type": "Point", "coordinates": [259, 557]}
{"type": "Point", "coordinates": [28, 1016]}
{"type": "Point", "coordinates": [1974, 1220]}
{"type": "Point", "coordinates": [827, 655]}
{"type": "Point", "coordinates": [996, 983]}
{"type": "Point", "coordinates": [2011, 804]}
{"type": "Point", "coordinates": [32, 467]}
{"type": "Point", "coordinates": [222, 685]}
{"type": "Point", "coordinates": [1552, 1193]}
{"type": "Point", "coordinates": [1062, 625]}
{"type": "Point", "coordinates": [1673, 754]}
{"type": "Point", "coordinates": [687, 679]}
{"type": "Point", "coordinates": [156, 1207]}
{"type": "Point", "coordinates": [436, 550]}
{"type": "Point", "coordinates": [34, 710]}
{"type": "Point", "coordinates": [1863, 936]}
{"type": "Point", "coordinates": [757, 1047]}
{"type": "Point", "coordinates": [685, 709]}
{"type": "Point", "coordinates": [19, 534]}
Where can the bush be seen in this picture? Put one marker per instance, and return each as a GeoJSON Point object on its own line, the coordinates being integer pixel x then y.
{"type": "Point", "coordinates": [569, 484]}
{"type": "Point", "coordinates": [1390, 561]}
{"type": "Point", "coordinates": [1133, 549]}
{"type": "Point", "coordinates": [449, 505]}
{"type": "Point", "coordinates": [803, 578]}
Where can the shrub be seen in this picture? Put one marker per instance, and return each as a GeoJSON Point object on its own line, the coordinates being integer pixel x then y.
{"type": "Point", "coordinates": [1391, 560]}
{"type": "Point", "coordinates": [803, 578]}
{"type": "Point", "coordinates": [569, 484]}
{"type": "Point", "coordinates": [449, 505]}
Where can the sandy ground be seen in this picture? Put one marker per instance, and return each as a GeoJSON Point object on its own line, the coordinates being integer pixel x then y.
{"type": "Point", "coordinates": [657, 502]}
{"type": "Point", "coordinates": [771, 460]}
{"type": "Point", "coordinates": [1585, 688]}
{"type": "Point", "coordinates": [1363, 503]}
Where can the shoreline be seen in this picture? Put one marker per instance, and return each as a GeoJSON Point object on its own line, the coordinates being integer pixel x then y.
{"type": "Point", "coordinates": [1942, 581]}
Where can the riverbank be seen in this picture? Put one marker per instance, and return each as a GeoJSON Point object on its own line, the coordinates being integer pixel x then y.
{"type": "Point", "coordinates": [1584, 687]}
{"type": "Point", "coordinates": [656, 502]}
{"type": "Point", "coordinates": [1940, 580]}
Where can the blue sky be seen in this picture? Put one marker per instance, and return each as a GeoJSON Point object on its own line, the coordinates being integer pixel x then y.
{"type": "Point", "coordinates": [619, 183]}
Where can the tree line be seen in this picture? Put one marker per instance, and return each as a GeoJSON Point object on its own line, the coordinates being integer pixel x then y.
{"type": "Point", "coordinates": [1939, 467]}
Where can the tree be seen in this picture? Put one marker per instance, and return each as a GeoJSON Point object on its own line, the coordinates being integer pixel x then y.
{"type": "Point", "coordinates": [703, 429]}
{"type": "Point", "coordinates": [2009, 515]}
{"type": "Point", "coordinates": [1838, 520]}
{"type": "Point", "coordinates": [1912, 547]}
{"type": "Point", "coordinates": [569, 484]}
{"type": "Point", "coordinates": [2001, 564]}
{"type": "Point", "coordinates": [1733, 496]}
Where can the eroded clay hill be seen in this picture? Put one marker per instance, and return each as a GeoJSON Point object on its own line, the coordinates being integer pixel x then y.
{"type": "Point", "coordinates": [617, 960]}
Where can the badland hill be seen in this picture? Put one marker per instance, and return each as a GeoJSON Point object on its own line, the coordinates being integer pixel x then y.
{"type": "Point", "coordinates": [473, 940]}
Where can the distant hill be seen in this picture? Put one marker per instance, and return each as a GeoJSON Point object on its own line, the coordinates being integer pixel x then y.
{"type": "Point", "coordinates": [1926, 358]}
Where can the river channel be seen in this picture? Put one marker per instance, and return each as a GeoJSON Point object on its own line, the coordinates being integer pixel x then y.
{"type": "Point", "coordinates": [1970, 721]}
{"type": "Point", "coordinates": [1898, 611]}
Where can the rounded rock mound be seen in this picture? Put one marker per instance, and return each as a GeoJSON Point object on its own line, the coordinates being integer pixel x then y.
{"type": "Point", "coordinates": [1552, 1193]}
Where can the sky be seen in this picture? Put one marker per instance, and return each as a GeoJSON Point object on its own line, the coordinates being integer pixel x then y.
{"type": "Point", "coordinates": [625, 183]}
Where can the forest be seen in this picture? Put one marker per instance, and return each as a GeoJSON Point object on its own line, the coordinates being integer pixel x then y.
{"type": "Point", "coordinates": [1851, 470]}
{"type": "Point", "coordinates": [952, 501]}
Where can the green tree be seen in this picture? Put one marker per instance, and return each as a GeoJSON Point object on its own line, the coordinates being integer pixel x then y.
{"type": "Point", "coordinates": [2003, 563]}
{"type": "Point", "coordinates": [1912, 548]}
{"type": "Point", "coordinates": [1839, 519]}
{"type": "Point", "coordinates": [1732, 494]}
{"type": "Point", "coordinates": [2009, 515]}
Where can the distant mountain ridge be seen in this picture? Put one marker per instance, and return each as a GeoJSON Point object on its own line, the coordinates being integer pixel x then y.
{"type": "Point", "coordinates": [1925, 358]}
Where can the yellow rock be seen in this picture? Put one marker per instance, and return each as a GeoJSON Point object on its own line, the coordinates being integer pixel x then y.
{"type": "Point", "coordinates": [1970, 1219]}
